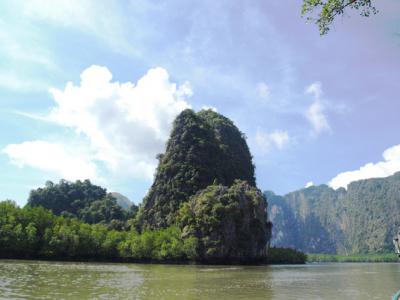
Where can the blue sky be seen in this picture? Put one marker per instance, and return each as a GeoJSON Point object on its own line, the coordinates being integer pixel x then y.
{"type": "Point", "coordinates": [88, 89]}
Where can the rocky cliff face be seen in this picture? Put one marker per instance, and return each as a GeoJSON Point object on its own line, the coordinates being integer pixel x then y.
{"type": "Point", "coordinates": [319, 219]}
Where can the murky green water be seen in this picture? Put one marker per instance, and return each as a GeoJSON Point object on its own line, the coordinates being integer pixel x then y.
{"type": "Point", "coordinates": [55, 280]}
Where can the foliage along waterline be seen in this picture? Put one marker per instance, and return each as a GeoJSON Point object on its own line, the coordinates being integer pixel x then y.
{"type": "Point", "coordinates": [372, 257]}
{"type": "Point", "coordinates": [35, 232]}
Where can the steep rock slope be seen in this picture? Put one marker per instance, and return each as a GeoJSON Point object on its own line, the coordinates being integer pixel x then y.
{"type": "Point", "coordinates": [204, 148]}
{"type": "Point", "coordinates": [318, 219]}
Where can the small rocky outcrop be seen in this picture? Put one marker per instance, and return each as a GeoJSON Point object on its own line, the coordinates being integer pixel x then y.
{"type": "Point", "coordinates": [230, 223]}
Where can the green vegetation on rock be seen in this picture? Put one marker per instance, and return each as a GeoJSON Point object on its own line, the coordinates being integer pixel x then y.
{"type": "Point", "coordinates": [203, 148]}
{"type": "Point", "coordinates": [229, 223]}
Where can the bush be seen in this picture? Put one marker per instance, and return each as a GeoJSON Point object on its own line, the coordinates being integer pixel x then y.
{"type": "Point", "coordinates": [285, 256]}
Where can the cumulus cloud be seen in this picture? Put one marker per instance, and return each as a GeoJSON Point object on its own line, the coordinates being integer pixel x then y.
{"type": "Point", "coordinates": [52, 158]}
{"type": "Point", "coordinates": [125, 124]}
{"type": "Point", "coordinates": [309, 184]}
{"type": "Point", "coordinates": [277, 139]}
{"type": "Point", "coordinates": [387, 167]}
{"type": "Point", "coordinates": [315, 112]}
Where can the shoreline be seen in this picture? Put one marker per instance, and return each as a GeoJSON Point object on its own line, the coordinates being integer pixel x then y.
{"type": "Point", "coordinates": [354, 258]}
{"type": "Point", "coordinates": [189, 263]}
{"type": "Point", "coordinates": [139, 261]}
{"type": "Point", "coordinates": [151, 262]}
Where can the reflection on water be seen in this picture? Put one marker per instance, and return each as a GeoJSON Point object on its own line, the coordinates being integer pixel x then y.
{"type": "Point", "coordinates": [55, 280]}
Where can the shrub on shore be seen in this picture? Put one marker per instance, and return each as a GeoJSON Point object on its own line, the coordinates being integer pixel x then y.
{"type": "Point", "coordinates": [375, 257]}
{"type": "Point", "coordinates": [285, 256]}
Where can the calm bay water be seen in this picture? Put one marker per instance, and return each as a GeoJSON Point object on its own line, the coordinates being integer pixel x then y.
{"type": "Point", "coordinates": [56, 280]}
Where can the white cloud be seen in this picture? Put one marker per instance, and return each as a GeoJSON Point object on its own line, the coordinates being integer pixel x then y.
{"type": "Point", "coordinates": [263, 90]}
{"type": "Point", "coordinates": [387, 167]}
{"type": "Point", "coordinates": [52, 158]}
{"type": "Point", "coordinates": [265, 141]}
{"type": "Point", "coordinates": [309, 184]}
{"type": "Point", "coordinates": [315, 112]}
{"type": "Point", "coordinates": [29, 115]}
{"type": "Point", "coordinates": [124, 125]}
{"type": "Point", "coordinates": [315, 89]}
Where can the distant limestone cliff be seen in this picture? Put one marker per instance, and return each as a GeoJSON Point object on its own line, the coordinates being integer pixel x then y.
{"type": "Point", "coordinates": [122, 200]}
{"type": "Point", "coordinates": [362, 219]}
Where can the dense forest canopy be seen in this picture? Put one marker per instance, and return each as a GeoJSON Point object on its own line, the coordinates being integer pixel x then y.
{"type": "Point", "coordinates": [68, 197]}
{"type": "Point", "coordinates": [83, 200]}
{"type": "Point", "coordinates": [35, 232]}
